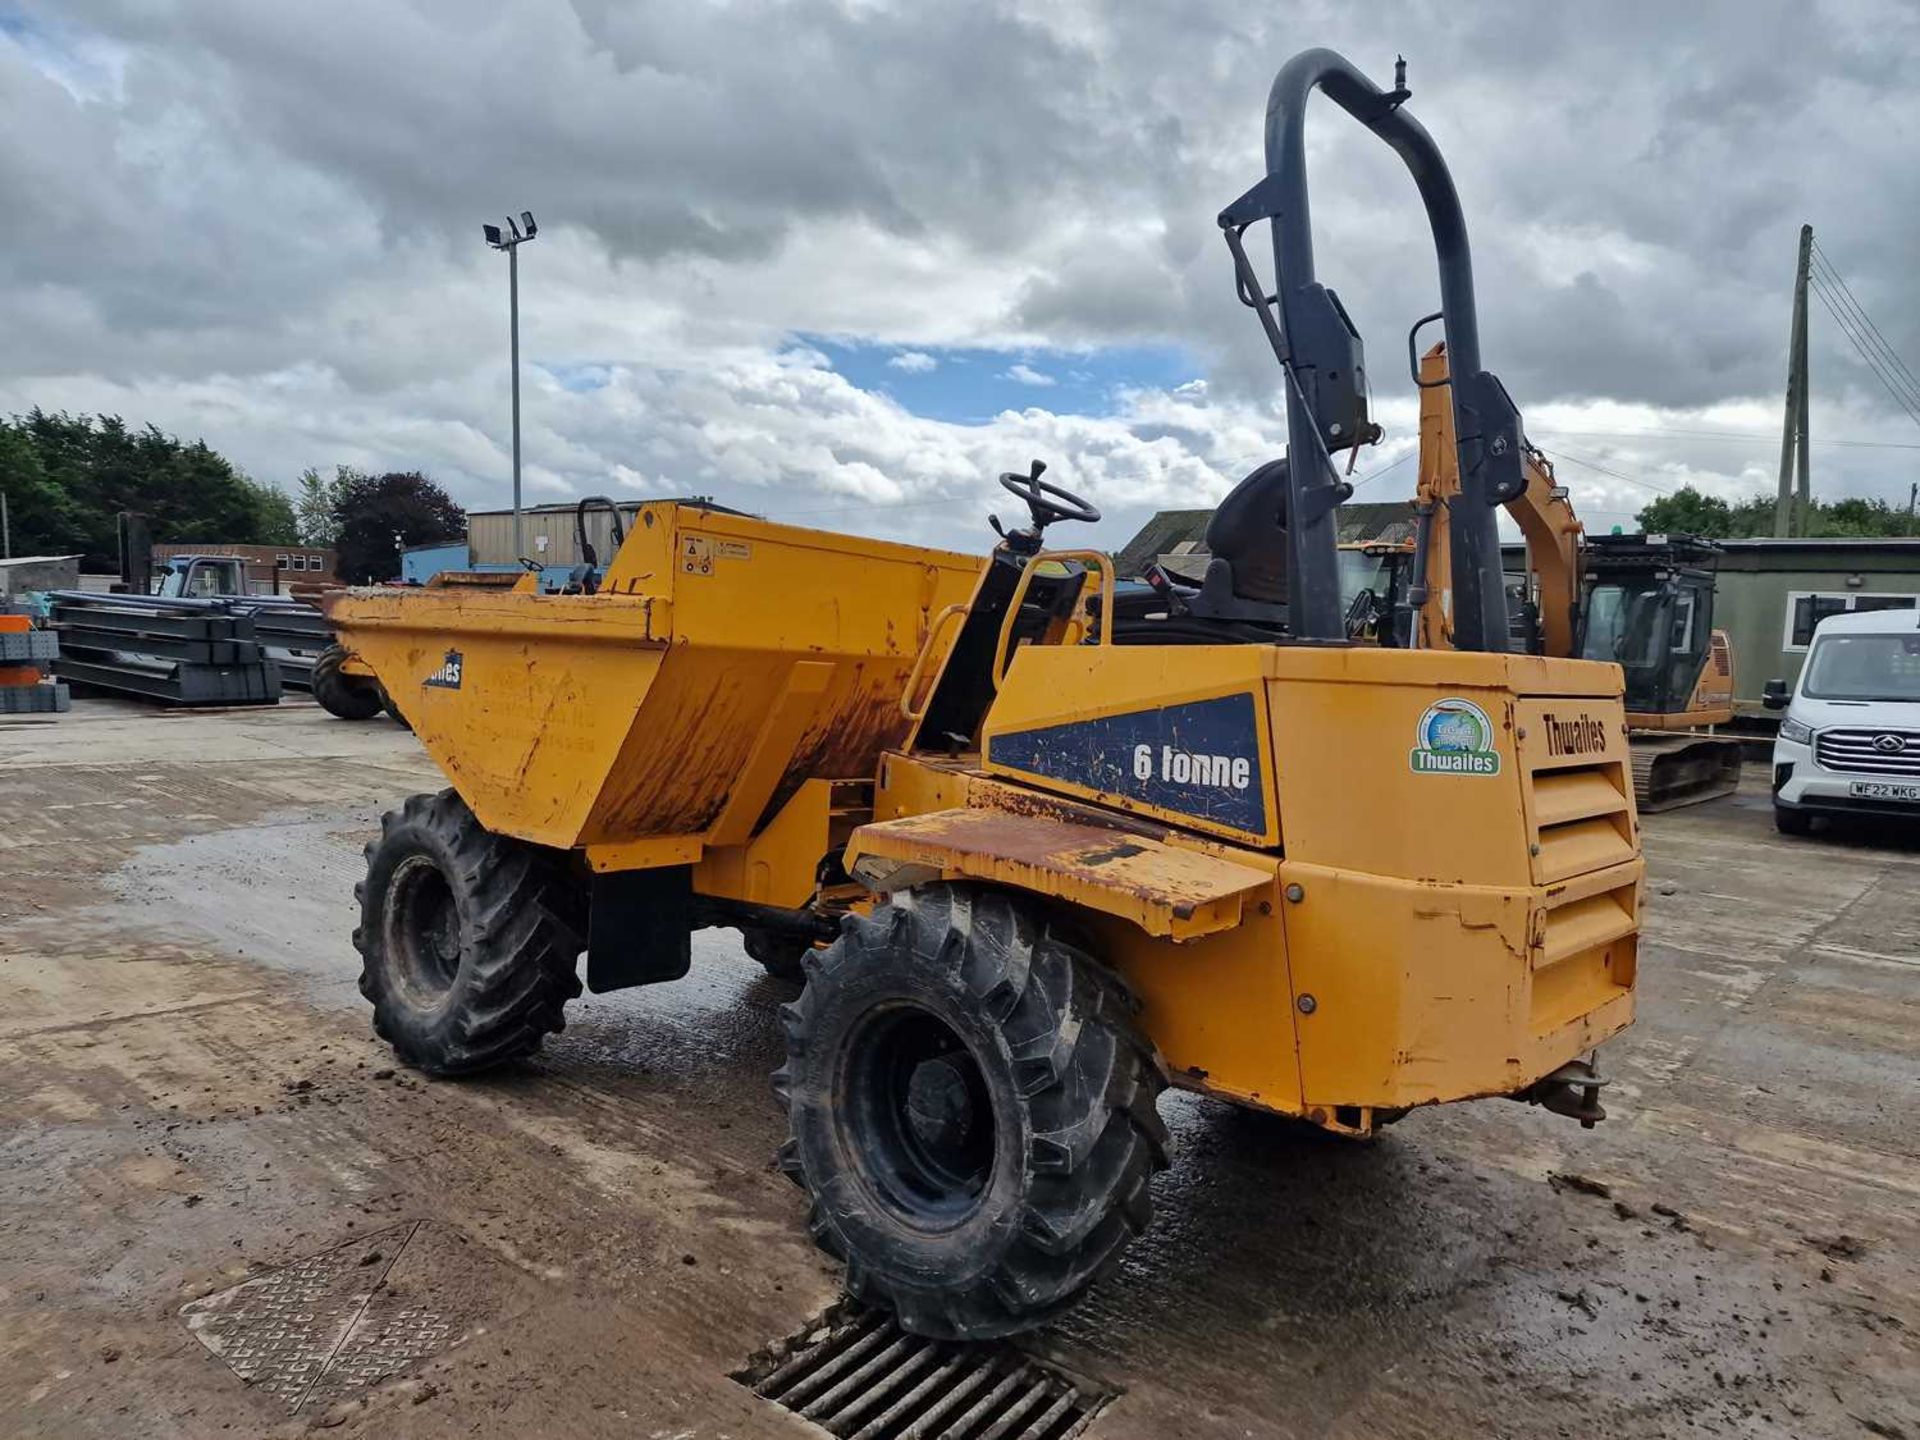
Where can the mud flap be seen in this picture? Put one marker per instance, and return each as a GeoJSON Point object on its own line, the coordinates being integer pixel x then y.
{"type": "Point", "coordinates": [639, 927]}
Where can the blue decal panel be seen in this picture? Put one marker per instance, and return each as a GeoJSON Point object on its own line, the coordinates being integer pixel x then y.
{"type": "Point", "coordinates": [1200, 759]}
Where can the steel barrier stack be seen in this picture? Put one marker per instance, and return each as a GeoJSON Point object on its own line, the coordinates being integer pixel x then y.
{"type": "Point", "coordinates": [177, 651]}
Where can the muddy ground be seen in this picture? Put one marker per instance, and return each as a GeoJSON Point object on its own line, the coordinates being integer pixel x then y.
{"type": "Point", "coordinates": [190, 1098]}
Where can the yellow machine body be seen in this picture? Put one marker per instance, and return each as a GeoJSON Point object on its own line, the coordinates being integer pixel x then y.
{"type": "Point", "coordinates": [1328, 960]}
{"type": "Point", "coordinates": [738, 699]}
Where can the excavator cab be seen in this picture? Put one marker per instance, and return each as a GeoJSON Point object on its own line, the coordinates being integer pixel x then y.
{"type": "Point", "coordinates": [1649, 609]}
{"type": "Point", "coordinates": [1647, 606]}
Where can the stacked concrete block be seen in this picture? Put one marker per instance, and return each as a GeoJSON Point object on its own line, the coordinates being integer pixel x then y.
{"type": "Point", "coordinates": [25, 655]}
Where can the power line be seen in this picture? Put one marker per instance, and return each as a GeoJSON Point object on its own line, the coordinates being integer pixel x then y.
{"type": "Point", "coordinates": [1602, 469]}
{"type": "Point", "coordinates": [1906, 400]}
{"type": "Point", "coordinates": [1834, 275]}
{"type": "Point", "coordinates": [1893, 385]}
{"type": "Point", "coordinates": [1373, 475]}
{"type": "Point", "coordinates": [1905, 391]}
{"type": "Point", "coordinates": [1863, 322]}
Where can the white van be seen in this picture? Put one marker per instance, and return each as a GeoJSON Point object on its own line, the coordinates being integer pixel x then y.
{"type": "Point", "coordinates": [1850, 741]}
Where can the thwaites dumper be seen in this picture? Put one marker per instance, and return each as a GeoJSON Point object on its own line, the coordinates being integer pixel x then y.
{"type": "Point", "coordinates": [1035, 853]}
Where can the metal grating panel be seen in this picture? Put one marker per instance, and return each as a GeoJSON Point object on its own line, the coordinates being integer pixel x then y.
{"type": "Point", "coordinates": [333, 1325]}
{"type": "Point", "coordinates": [858, 1375]}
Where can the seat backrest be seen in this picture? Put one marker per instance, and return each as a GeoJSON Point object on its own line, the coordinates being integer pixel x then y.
{"type": "Point", "coordinates": [1249, 532]}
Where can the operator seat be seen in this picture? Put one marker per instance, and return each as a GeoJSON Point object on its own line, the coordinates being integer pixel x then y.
{"type": "Point", "coordinates": [1246, 578]}
{"type": "Point", "coordinates": [1242, 597]}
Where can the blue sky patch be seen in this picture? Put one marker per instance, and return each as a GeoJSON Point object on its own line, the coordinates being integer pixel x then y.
{"type": "Point", "coordinates": [581, 378]}
{"type": "Point", "coordinates": [969, 386]}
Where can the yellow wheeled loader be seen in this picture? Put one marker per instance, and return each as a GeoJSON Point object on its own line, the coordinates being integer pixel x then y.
{"type": "Point", "coordinates": [1039, 854]}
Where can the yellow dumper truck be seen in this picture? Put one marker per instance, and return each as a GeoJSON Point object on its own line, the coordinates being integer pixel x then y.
{"type": "Point", "coordinates": [1038, 845]}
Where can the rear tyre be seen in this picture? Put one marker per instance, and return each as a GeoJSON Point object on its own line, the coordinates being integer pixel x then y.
{"type": "Point", "coordinates": [347, 697]}
{"type": "Point", "coordinates": [780, 955]}
{"type": "Point", "coordinates": [466, 955]}
{"type": "Point", "coordinates": [1792, 822]}
{"type": "Point", "coordinates": [971, 1110]}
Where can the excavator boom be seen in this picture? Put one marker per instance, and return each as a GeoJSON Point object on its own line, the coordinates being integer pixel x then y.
{"type": "Point", "coordinates": [1552, 531]}
{"type": "Point", "coordinates": [1644, 603]}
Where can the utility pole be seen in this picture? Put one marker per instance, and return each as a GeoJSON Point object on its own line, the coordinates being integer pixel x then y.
{"type": "Point", "coordinates": [1913, 504]}
{"type": "Point", "coordinates": [6, 529]}
{"type": "Point", "coordinates": [1795, 500]}
{"type": "Point", "coordinates": [510, 241]}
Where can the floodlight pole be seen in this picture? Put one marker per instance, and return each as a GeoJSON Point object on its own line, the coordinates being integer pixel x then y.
{"type": "Point", "coordinates": [510, 240]}
{"type": "Point", "coordinates": [513, 330]}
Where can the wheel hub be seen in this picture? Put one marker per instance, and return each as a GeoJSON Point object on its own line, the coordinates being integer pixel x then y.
{"type": "Point", "coordinates": [918, 1117]}
{"type": "Point", "coordinates": [939, 1107]}
{"type": "Point", "coordinates": [423, 930]}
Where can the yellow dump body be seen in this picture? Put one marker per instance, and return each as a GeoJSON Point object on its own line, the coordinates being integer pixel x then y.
{"type": "Point", "coordinates": [724, 660]}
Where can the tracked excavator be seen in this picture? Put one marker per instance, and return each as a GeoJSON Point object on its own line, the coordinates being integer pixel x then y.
{"type": "Point", "coordinates": [1643, 602]}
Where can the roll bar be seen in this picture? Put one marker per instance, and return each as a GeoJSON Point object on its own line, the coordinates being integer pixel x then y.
{"type": "Point", "coordinates": [1322, 357]}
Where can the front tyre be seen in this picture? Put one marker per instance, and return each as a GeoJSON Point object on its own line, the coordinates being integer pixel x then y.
{"type": "Point", "coordinates": [467, 956]}
{"type": "Point", "coordinates": [971, 1110]}
{"type": "Point", "coordinates": [1792, 822]}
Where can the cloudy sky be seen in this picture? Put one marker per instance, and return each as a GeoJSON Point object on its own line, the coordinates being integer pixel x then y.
{"type": "Point", "coordinates": [841, 261]}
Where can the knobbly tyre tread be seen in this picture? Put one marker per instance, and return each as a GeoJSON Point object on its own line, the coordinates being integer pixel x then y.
{"type": "Point", "coordinates": [521, 939]}
{"type": "Point", "coordinates": [346, 697]}
{"type": "Point", "coordinates": [1087, 1083]}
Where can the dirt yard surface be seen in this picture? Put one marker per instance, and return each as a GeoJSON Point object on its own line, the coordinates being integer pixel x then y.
{"type": "Point", "coordinates": [191, 1101]}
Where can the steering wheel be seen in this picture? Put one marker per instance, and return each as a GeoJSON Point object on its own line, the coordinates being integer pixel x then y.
{"type": "Point", "coordinates": [1048, 503]}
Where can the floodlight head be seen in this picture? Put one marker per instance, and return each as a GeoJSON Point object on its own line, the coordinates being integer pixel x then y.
{"type": "Point", "coordinates": [492, 232]}
{"type": "Point", "coordinates": [513, 229]}
{"type": "Point", "coordinates": [526, 219]}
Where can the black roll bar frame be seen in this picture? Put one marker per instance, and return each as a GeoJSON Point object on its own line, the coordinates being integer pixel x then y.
{"type": "Point", "coordinates": [1486, 423]}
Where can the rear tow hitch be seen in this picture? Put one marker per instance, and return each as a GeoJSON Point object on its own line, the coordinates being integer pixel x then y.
{"type": "Point", "coordinates": [1573, 1090]}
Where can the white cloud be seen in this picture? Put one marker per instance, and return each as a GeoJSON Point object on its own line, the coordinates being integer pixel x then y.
{"type": "Point", "coordinates": [220, 243]}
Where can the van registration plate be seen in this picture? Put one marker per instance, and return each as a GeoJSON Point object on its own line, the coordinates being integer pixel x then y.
{"type": "Point", "coordinates": [1881, 790]}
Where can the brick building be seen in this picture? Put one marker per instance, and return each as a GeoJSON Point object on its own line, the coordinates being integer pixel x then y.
{"type": "Point", "coordinates": [271, 569]}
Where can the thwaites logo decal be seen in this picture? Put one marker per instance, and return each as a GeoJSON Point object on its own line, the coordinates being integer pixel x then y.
{"type": "Point", "coordinates": [1574, 734]}
{"type": "Point", "coordinates": [1454, 737]}
{"type": "Point", "coordinates": [1200, 759]}
{"type": "Point", "coordinates": [447, 677]}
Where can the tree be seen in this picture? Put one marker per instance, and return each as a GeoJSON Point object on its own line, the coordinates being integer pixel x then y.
{"type": "Point", "coordinates": [38, 515]}
{"type": "Point", "coordinates": [1688, 512]}
{"type": "Point", "coordinates": [74, 474]}
{"type": "Point", "coordinates": [277, 525]}
{"type": "Point", "coordinates": [1861, 517]}
{"type": "Point", "coordinates": [377, 516]}
{"type": "Point", "coordinates": [318, 499]}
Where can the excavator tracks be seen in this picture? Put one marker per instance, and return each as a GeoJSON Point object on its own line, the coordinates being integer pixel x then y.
{"type": "Point", "coordinates": [1674, 770]}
